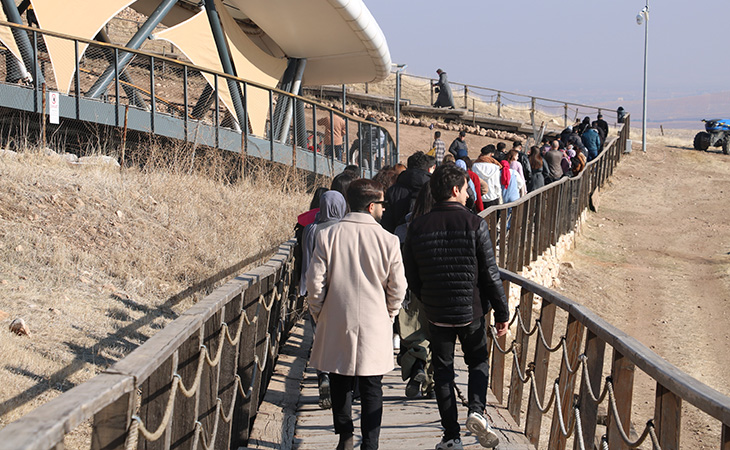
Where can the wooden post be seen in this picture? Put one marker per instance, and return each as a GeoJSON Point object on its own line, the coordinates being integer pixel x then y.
{"type": "Point", "coordinates": [537, 232]}
{"type": "Point", "coordinates": [156, 392]}
{"type": "Point", "coordinates": [227, 385]}
{"type": "Point", "coordinates": [532, 112]}
{"type": "Point", "coordinates": [186, 409]}
{"type": "Point", "coordinates": [667, 418]}
{"type": "Point", "coordinates": [430, 88]}
{"type": "Point", "coordinates": [573, 341]}
{"type": "Point", "coordinates": [43, 116]}
{"type": "Point", "coordinates": [622, 374]}
{"type": "Point", "coordinates": [542, 361]}
{"type": "Point", "coordinates": [112, 423]}
{"type": "Point", "coordinates": [565, 116]}
{"type": "Point", "coordinates": [725, 443]}
{"type": "Point", "coordinates": [466, 98]}
{"type": "Point", "coordinates": [207, 400]}
{"type": "Point", "coordinates": [595, 350]}
{"type": "Point", "coordinates": [514, 403]}
{"type": "Point", "coordinates": [246, 366]}
{"type": "Point", "coordinates": [496, 378]}
{"type": "Point", "coordinates": [124, 136]}
{"type": "Point", "coordinates": [499, 104]}
{"type": "Point", "coordinates": [502, 237]}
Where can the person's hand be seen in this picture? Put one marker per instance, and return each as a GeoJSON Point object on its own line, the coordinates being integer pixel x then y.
{"type": "Point", "coordinates": [501, 328]}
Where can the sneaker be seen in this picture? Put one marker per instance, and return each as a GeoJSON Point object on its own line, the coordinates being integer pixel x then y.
{"type": "Point", "coordinates": [451, 444]}
{"type": "Point", "coordinates": [325, 401]}
{"type": "Point", "coordinates": [396, 342]}
{"type": "Point", "coordinates": [479, 427]}
{"type": "Point", "coordinates": [415, 384]}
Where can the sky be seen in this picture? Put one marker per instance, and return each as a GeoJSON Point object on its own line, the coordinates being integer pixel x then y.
{"type": "Point", "coordinates": [585, 51]}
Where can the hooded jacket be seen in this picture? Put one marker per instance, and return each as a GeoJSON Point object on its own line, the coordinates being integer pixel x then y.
{"type": "Point", "coordinates": [332, 208]}
{"type": "Point", "coordinates": [401, 197]}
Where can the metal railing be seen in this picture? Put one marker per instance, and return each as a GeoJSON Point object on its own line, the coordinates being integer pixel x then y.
{"type": "Point", "coordinates": [418, 91]}
{"type": "Point", "coordinates": [198, 380]}
{"type": "Point", "coordinates": [173, 99]}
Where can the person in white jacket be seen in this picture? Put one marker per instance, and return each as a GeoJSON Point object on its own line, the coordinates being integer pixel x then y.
{"type": "Point", "coordinates": [489, 170]}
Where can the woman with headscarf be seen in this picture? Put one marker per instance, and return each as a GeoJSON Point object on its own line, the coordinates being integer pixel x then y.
{"type": "Point", "coordinates": [512, 183]}
{"type": "Point", "coordinates": [332, 208]}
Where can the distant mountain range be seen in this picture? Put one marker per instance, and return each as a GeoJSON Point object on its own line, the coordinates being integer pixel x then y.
{"type": "Point", "coordinates": [680, 112]}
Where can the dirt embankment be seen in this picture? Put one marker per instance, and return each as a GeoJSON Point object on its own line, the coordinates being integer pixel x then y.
{"type": "Point", "coordinates": [655, 262]}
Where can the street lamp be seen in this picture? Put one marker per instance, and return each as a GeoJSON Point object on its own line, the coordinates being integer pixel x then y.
{"type": "Point", "coordinates": [399, 70]}
{"type": "Point", "coordinates": [643, 17]}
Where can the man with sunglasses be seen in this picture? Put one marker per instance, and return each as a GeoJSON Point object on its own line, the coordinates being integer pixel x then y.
{"type": "Point", "coordinates": [356, 284]}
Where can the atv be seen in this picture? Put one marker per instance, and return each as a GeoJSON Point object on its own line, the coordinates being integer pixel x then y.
{"type": "Point", "coordinates": [716, 134]}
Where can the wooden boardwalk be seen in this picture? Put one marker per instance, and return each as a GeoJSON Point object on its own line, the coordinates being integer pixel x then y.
{"type": "Point", "coordinates": [408, 424]}
{"type": "Point", "coordinates": [290, 418]}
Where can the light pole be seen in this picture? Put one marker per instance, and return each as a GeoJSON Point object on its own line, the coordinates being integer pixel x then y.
{"type": "Point", "coordinates": [643, 16]}
{"type": "Point", "coordinates": [399, 70]}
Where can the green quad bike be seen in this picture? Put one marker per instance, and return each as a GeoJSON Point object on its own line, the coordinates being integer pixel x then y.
{"type": "Point", "coordinates": [716, 134]}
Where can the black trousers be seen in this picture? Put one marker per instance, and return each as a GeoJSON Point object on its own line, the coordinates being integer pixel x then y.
{"type": "Point", "coordinates": [473, 339]}
{"type": "Point", "coordinates": [371, 400]}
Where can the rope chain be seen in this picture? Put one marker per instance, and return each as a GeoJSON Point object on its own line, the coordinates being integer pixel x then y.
{"type": "Point", "coordinates": [138, 427]}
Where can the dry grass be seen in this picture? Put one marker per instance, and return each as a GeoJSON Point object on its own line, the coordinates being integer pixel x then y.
{"type": "Point", "coordinates": [92, 257]}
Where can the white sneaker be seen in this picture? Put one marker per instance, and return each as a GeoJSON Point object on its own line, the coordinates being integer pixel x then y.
{"type": "Point", "coordinates": [478, 425]}
{"type": "Point", "coordinates": [396, 342]}
{"type": "Point", "coordinates": [451, 444]}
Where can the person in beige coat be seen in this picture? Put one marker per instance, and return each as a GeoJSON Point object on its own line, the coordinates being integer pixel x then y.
{"type": "Point", "coordinates": [356, 284]}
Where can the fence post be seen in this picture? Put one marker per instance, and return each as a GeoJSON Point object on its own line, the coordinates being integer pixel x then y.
{"type": "Point", "coordinates": [595, 350]}
{"type": "Point", "coordinates": [573, 341]}
{"type": "Point", "coordinates": [532, 112]}
{"type": "Point", "coordinates": [622, 375]}
{"type": "Point", "coordinates": [668, 418]}
{"type": "Point", "coordinates": [430, 88]}
{"type": "Point", "coordinates": [499, 104]}
{"type": "Point", "coordinates": [514, 402]}
{"type": "Point", "coordinates": [725, 442]}
{"type": "Point", "coordinates": [466, 98]}
{"type": "Point", "coordinates": [565, 116]}
{"type": "Point", "coordinates": [542, 361]}
{"type": "Point", "coordinates": [43, 116]}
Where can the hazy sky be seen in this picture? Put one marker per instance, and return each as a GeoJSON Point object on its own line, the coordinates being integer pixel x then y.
{"type": "Point", "coordinates": [581, 50]}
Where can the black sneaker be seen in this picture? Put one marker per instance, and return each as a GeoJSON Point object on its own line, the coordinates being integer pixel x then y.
{"type": "Point", "coordinates": [415, 384]}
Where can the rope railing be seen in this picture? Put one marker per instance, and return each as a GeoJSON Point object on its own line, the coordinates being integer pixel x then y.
{"type": "Point", "coordinates": [203, 357]}
{"type": "Point", "coordinates": [568, 421]}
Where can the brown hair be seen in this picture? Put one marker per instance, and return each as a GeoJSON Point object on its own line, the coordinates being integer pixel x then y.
{"type": "Point", "coordinates": [363, 192]}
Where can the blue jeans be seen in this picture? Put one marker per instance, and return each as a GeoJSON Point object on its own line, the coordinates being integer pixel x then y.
{"type": "Point", "coordinates": [473, 339]}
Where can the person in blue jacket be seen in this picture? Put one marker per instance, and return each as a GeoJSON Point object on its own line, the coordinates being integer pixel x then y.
{"type": "Point", "coordinates": [592, 141]}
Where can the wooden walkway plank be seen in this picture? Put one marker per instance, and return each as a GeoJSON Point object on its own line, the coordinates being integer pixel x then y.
{"type": "Point", "coordinates": [408, 424]}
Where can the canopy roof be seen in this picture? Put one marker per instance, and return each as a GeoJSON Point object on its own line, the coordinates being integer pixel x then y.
{"type": "Point", "coordinates": [340, 39]}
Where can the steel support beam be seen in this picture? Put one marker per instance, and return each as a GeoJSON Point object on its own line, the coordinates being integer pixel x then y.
{"type": "Point", "coordinates": [132, 93]}
{"type": "Point", "coordinates": [135, 43]}
{"type": "Point", "coordinates": [291, 83]}
{"type": "Point", "coordinates": [225, 57]}
{"type": "Point", "coordinates": [21, 38]}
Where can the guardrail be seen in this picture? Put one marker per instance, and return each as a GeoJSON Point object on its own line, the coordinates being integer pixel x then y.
{"type": "Point", "coordinates": [198, 380]}
{"type": "Point", "coordinates": [418, 91]}
{"type": "Point", "coordinates": [174, 99]}
{"type": "Point", "coordinates": [576, 394]}
{"type": "Point", "coordinates": [525, 229]}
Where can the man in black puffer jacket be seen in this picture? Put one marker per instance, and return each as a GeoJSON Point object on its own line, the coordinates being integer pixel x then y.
{"type": "Point", "coordinates": [402, 195]}
{"type": "Point", "coordinates": [450, 266]}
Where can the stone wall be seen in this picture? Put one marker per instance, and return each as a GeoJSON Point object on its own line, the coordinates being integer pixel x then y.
{"type": "Point", "coordinates": [546, 269]}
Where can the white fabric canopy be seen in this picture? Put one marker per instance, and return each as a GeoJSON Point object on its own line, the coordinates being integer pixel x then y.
{"type": "Point", "coordinates": [195, 39]}
{"type": "Point", "coordinates": [79, 18]}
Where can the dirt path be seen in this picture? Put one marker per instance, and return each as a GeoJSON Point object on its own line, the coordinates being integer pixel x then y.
{"type": "Point", "coordinates": [655, 261]}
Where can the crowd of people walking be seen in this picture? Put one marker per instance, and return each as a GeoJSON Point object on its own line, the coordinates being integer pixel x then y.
{"type": "Point", "coordinates": [403, 262]}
